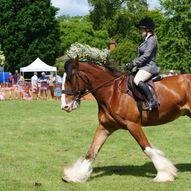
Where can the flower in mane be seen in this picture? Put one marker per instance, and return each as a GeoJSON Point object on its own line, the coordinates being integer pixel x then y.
{"type": "Point", "coordinates": [86, 52]}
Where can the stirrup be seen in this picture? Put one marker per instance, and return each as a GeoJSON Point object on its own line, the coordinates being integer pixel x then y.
{"type": "Point", "coordinates": [153, 105]}
{"type": "Point", "coordinates": [150, 106]}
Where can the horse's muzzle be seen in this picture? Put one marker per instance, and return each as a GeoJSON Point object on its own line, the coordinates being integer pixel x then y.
{"type": "Point", "coordinates": [70, 107]}
{"type": "Point", "coordinates": [67, 108]}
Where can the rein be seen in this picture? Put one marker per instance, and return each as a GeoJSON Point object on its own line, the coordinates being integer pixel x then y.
{"type": "Point", "coordinates": [81, 93]}
{"type": "Point", "coordinates": [100, 86]}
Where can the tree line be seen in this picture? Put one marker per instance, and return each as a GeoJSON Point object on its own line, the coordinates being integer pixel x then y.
{"type": "Point", "coordinates": [29, 29]}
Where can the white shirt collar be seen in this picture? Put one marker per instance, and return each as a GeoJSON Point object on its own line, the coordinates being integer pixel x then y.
{"type": "Point", "coordinates": [148, 35]}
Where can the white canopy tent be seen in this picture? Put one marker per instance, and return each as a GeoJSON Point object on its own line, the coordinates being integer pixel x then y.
{"type": "Point", "coordinates": [38, 66]}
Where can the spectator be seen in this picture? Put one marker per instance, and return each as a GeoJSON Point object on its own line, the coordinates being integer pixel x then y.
{"type": "Point", "coordinates": [52, 81]}
{"type": "Point", "coordinates": [43, 77]}
{"type": "Point", "coordinates": [43, 84]}
{"type": "Point", "coordinates": [20, 84]}
{"type": "Point", "coordinates": [27, 92]}
{"type": "Point", "coordinates": [34, 84]}
{"type": "Point", "coordinates": [10, 80]}
{"type": "Point", "coordinates": [1, 94]}
{"type": "Point", "coordinates": [16, 76]}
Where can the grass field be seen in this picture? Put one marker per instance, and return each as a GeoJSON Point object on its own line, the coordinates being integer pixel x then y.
{"type": "Point", "coordinates": [37, 140]}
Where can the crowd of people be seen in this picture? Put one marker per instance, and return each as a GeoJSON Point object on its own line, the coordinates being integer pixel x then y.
{"type": "Point", "coordinates": [38, 87]}
{"type": "Point", "coordinates": [41, 85]}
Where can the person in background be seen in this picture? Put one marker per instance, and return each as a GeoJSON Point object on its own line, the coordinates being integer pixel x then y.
{"type": "Point", "coordinates": [43, 83]}
{"type": "Point", "coordinates": [11, 85]}
{"type": "Point", "coordinates": [16, 76]}
{"type": "Point", "coordinates": [43, 77]}
{"type": "Point", "coordinates": [20, 84]}
{"type": "Point", "coordinates": [1, 94]}
{"type": "Point", "coordinates": [52, 81]}
{"type": "Point", "coordinates": [10, 80]}
{"type": "Point", "coordinates": [27, 92]}
{"type": "Point", "coordinates": [34, 84]}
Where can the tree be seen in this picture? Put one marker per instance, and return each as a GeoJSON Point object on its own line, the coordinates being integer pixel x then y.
{"type": "Point", "coordinates": [2, 58]}
{"type": "Point", "coordinates": [79, 29]}
{"type": "Point", "coordinates": [28, 29]}
{"type": "Point", "coordinates": [119, 18]}
{"type": "Point", "coordinates": [175, 41]}
{"type": "Point", "coordinates": [103, 10]}
{"type": "Point", "coordinates": [123, 53]}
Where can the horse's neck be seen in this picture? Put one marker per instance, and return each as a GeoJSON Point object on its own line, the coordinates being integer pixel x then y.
{"type": "Point", "coordinates": [96, 75]}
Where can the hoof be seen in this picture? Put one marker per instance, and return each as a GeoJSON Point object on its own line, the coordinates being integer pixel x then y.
{"type": "Point", "coordinates": [164, 177]}
{"type": "Point", "coordinates": [65, 179]}
{"type": "Point", "coordinates": [78, 172]}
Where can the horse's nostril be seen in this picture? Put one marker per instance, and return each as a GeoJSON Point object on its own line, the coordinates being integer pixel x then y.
{"type": "Point", "coordinates": [65, 107]}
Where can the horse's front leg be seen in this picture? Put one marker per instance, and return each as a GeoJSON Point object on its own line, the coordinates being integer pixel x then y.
{"type": "Point", "coordinates": [81, 170]}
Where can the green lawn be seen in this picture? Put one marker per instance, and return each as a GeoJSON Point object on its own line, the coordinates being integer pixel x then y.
{"type": "Point", "coordinates": [37, 140]}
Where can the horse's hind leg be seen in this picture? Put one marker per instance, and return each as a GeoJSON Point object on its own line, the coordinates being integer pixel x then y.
{"type": "Point", "coordinates": [165, 169]}
{"type": "Point", "coordinates": [81, 170]}
{"type": "Point", "coordinates": [187, 111]}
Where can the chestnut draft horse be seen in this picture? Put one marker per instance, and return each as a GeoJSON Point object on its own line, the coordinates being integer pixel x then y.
{"type": "Point", "coordinates": [118, 110]}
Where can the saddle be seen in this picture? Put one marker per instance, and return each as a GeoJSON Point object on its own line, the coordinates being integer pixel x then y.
{"type": "Point", "coordinates": [134, 91]}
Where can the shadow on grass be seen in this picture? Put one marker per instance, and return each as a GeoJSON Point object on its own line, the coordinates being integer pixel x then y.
{"type": "Point", "coordinates": [184, 167]}
{"type": "Point", "coordinates": [135, 170]}
{"type": "Point", "coordinates": [146, 170]}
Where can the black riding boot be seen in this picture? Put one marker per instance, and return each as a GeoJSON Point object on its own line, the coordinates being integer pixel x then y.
{"type": "Point", "coordinates": [148, 95]}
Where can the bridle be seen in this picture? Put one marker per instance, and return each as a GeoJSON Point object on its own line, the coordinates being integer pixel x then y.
{"type": "Point", "coordinates": [79, 93]}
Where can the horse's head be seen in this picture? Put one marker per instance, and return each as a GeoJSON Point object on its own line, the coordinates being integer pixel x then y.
{"type": "Point", "coordinates": [73, 86]}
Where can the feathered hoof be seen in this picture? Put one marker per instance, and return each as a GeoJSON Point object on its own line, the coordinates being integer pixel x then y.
{"type": "Point", "coordinates": [78, 172]}
{"type": "Point", "coordinates": [165, 177]}
{"type": "Point", "coordinates": [66, 179]}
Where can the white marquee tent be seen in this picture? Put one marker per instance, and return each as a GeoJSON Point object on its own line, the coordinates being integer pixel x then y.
{"type": "Point", "coordinates": [38, 66]}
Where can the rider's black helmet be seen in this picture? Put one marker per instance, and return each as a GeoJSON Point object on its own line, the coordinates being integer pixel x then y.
{"type": "Point", "coordinates": [146, 23]}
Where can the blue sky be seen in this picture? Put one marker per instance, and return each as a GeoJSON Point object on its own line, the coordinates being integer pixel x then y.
{"type": "Point", "coordinates": [81, 7]}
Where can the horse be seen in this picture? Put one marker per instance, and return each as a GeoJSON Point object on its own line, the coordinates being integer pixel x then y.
{"type": "Point", "coordinates": [119, 110]}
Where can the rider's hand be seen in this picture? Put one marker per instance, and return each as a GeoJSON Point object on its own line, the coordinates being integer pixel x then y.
{"type": "Point", "coordinates": [135, 69]}
{"type": "Point", "coordinates": [129, 66]}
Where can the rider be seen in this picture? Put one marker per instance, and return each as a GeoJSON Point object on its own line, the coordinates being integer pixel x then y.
{"type": "Point", "coordinates": [145, 61]}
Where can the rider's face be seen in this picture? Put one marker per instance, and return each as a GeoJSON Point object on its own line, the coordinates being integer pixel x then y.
{"type": "Point", "coordinates": [143, 32]}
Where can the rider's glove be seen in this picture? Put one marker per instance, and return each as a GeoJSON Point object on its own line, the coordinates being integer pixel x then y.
{"type": "Point", "coordinates": [135, 69]}
{"type": "Point", "coordinates": [129, 66]}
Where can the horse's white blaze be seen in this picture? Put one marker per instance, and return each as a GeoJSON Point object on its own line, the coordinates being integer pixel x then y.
{"type": "Point", "coordinates": [166, 171]}
{"type": "Point", "coordinates": [63, 97]}
{"type": "Point", "coordinates": [65, 104]}
{"type": "Point", "coordinates": [80, 171]}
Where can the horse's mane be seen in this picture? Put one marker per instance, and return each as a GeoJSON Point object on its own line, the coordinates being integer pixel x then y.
{"type": "Point", "coordinates": [112, 70]}
{"type": "Point", "coordinates": [68, 68]}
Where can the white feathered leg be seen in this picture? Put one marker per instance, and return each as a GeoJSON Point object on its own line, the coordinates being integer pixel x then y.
{"type": "Point", "coordinates": [166, 171]}
{"type": "Point", "coordinates": [80, 171]}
